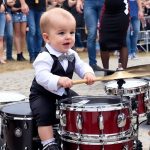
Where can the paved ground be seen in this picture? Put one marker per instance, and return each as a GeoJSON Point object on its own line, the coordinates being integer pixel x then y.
{"type": "Point", "coordinates": [20, 81]}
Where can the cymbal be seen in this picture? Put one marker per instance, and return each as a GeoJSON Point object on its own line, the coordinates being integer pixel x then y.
{"type": "Point", "coordinates": [121, 74]}
{"type": "Point", "coordinates": [139, 69]}
{"type": "Point", "coordinates": [124, 75]}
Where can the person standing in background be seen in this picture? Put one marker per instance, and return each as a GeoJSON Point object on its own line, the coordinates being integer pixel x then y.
{"type": "Point", "coordinates": [2, 29]}
{"type": "Point", "coordinates": [136, 14]}
{"type": "Point", "coordinates": [34, 9]}
{"type": "Point", "coordinates": [19, 23]}
{"type": "Point", "coordinates": [114, 23]}
{"type": "Point", "coordinates": [9, 30]}
{"type": "Point", "coordinates": [80, 35]}
{"type": "Point", "coordinates": [91, 10]}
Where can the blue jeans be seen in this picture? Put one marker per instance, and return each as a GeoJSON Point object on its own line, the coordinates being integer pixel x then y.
{"type": "Point", "coordinates": [132, 35]}
{"type": "Point", "coordinates": [9, 39]}
{"type": "Point", "coordinates": [2, 24]}
{"type": "Point", "coordinates": [34, 37]}
{"type": "Point", "coordinates": [92, 10]}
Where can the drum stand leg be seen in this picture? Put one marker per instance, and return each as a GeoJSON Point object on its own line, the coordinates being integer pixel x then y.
{"type": "Point", "coordinates": [137, 142]}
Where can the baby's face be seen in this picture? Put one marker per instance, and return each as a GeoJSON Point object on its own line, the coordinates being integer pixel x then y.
{"type": "Point", "coordinates": [62, 35]}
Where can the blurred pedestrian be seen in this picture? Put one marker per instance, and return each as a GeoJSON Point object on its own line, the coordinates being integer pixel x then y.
{"type": "Point", "coordinates": [2, 30]}
{"type": "Point", "coordinates": [113, 30]}
{"type": "Point", "coordinates": [34, 10]}
{"type": "Point", "coordinates": [20, 24]}
{"type": "Point", "coordinates": [91, 9]}
{"type": "Point", "coordinates": [136, 14]}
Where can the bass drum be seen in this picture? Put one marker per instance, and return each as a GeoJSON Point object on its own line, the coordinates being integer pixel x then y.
{"type": "Point", "coordinates": [18, 127]}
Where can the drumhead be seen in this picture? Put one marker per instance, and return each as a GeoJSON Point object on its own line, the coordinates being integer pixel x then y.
{"type": "Point", "coordinates": [11, 96]}
{"type": "Point", "coordinates": [129, 83]}
{"type": "Point", "coordinates": [131, 86]}
{"type": "Point", "coordinates": [96, 102]}
{"type": "Point", "coordinates": [19, 109]}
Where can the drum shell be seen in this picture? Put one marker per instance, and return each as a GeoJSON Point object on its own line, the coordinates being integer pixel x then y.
{"type": "Point", "coordinates": [90, 122]}
{"type": "Point", "coordinates": [19, 130]}
{"type": "Point", "coordinates": [14, 141]}
{"type": "Point", "coordinates": [137, 91]}
{"type": "Point", "coordinates": [90, 115]}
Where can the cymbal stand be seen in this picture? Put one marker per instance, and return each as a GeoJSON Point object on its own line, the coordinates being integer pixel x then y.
{"type": "Point", "coordinates": [120, 82]}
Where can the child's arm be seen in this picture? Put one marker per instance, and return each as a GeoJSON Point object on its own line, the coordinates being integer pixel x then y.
{"type": "Point", "coordinates": [65, 82]}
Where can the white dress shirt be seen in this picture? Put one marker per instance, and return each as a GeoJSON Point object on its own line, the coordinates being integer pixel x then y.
{"type": "Point", "coordinates": [43, 65]}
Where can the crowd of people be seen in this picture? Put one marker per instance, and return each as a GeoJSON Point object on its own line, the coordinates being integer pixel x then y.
{"type": "Point", "coordinates": [19, 28]}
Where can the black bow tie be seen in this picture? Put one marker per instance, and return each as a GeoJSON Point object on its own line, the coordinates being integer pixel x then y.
{"type": "Point", "coordinates": [68, 57]}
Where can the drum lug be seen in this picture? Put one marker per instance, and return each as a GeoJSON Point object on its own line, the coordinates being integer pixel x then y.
{"type": "Point", "coordinates": [101, 122]}
{"type": "Point", "coordinates": [63, 120]}
{"type": "Point", "coordinates": [121, 120]}
{"type": "Point", "coordinates": [25, 126]}
{"type": "Point", "coordinates": [79, 122]}
{"type": "Point", "coordinates": [125, 147]}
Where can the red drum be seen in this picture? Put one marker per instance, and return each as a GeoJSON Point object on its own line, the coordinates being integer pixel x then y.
{"type": "Point", "coordinates": [95, 119]}
{"type": "Point", "coordinates": [135, 89]}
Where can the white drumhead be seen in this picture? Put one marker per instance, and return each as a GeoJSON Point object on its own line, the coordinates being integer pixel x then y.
{"type": "Point", "coordinates": [129, 84]}
{"type": "Point", "coordinates": [11, 96]}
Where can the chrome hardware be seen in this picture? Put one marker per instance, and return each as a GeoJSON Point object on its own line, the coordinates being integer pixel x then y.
{"type": "Point", "coordinates": [58, 114]}
{"type": "Point", "coordinates": [63, 120]}
{"type": "Point", "coordinates": [101, 122]}
{"type": "Point", "coordinates": [125, 147]}
{"type": "Point", "coordinates": [121, 120]}
{"type": "Point", "coordinates": [79, 122]}
{"type": "Point", "coordinates": [18, 132]}
{"type": "Point", "coordinates": [25, 125]}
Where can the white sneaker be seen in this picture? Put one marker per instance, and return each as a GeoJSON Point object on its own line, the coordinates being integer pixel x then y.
{"type": "Point", "coordinates": [116, 53]}
{"type": "Point", "coordinates": [134, 56]}
{"type": "Point", "coordinates": [130, 57]}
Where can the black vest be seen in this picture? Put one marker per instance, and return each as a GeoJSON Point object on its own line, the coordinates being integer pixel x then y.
{"type": "Point", "coordinates": [57, 69]}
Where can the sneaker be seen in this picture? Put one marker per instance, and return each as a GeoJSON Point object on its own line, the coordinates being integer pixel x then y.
{"type": "Point", "coordinates": [10, 59]}
{"type": "Point", "coordinates": [134, 56]}
{"type": "Point", "coordinates": [32, 60]}
{"type": "Point", "coordinates": [130, 57]}
{"type": "Point", "coordinates": [116, 53]}
{"type": "Point", "coordinates": [53, 146]}
{"type": "Point", "coordinates": [95, 67]}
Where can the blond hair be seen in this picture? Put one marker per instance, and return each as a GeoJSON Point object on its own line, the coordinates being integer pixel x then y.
{"type": "Point", "coordinates": [55, 13]}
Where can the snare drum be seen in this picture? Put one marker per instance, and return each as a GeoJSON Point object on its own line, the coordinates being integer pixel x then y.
{"type": "Point", "coordinates": [19, 132]}
{"type": "Point", "coordinates": [135, 89]}
{"type": "Point", "coordinates": [95, 120]}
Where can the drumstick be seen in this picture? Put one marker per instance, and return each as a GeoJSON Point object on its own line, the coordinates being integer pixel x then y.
{"type": "Point", "coordinates": [84, 81]}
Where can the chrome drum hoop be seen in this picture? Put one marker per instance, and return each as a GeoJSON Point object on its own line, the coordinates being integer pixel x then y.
{"type": "Point", "coordinates": [131, 91]}
{"type": "Point", "coordinates": [95, 138]}
{"type": "Point", "coordinates": [98, 142]}
{"type": "Point", "coordinates": [100, 108]}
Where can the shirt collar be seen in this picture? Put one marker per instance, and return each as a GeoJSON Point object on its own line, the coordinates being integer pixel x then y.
{"type": "Point", "coordinates": [53, 51]}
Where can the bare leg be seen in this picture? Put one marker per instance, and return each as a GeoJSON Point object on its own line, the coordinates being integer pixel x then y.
{"type": "Point", "coordinates": [2, 51]}
{"type": "Point", "coordinates": [45, 132]}
{"type": "Point", "coordinates": [105, 59]}
{"type": "Point", "coordinates": [124, 57]}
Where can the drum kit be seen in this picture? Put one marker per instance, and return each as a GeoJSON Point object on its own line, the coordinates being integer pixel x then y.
{"type": "Point", "coordinates": [108, 122]}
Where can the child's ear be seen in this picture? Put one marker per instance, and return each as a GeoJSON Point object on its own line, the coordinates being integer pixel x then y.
{"type": "Point", "coordinates": [45, 37]}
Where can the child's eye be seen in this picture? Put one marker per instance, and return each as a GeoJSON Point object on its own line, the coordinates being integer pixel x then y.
{"type": "Point", "coordinates": [61, 33]}
{"type": "Point", "coordinates": [72, 32]}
